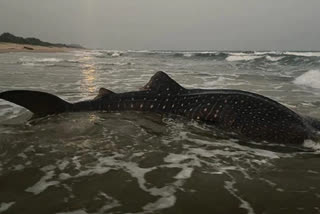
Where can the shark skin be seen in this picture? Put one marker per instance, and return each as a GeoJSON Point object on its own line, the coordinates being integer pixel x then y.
{"type": "Point", "coordinates": [252, 116]}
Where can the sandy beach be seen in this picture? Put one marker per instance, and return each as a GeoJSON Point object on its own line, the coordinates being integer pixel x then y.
{"type": "Point", "coordinates": [12, 47]}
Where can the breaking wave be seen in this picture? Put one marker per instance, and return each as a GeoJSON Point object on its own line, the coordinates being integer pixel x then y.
{"type": "Point", "coordinates": [306, 54]}
{"type": "Point", "coordinates": [241, 57]}
{"type": "Point", "coordinates": [274, 59]}
{"type": "Point", "coordinates": [285, 57]}
{"type": "Point", "coordinates": [34, 59]}
{"type": "Point", "coordinates": [230, 56]}
{"type": "Point", "coordinates": [310, 78]}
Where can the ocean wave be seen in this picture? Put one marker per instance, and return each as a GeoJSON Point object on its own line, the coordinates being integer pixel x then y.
{"type": "Point", "coordinates": [267, 53]}
{"type": "Point", "coordinates": [271, 56]}
{"type": "Point", "coordinates": [208, 53]}
{"type": "Point", "coordinates": [304, 54]}
{"type": "Point", "coordinates": [34, 61]}
{"type": "Point", "coordinates": [115, 63]}
{"type": "Point", "coordinates": [233, 58]}
{"type": "Point", "coordinates": [204, 54]}
{"type": "Point", "coordinates": [41, 60]}
{"type": "Point", "coordinates": [73, 61]}
{"type": "Point", "coordinates": [186, 54]}
{"type": "Point", "coordinates": [112, 53]}
{"type": "Point", "coordinates": [200, 54]}
{"type": "Point", "coordinates": [230, 56]}
{"type": "Point", "coordinates": [116, 54]}
{"type": "Point", "coordinates": [86, 53]}
{"type": "Point", "coordinates": [28, 64]}
{"type": "Point", "coordinates": [274, 58]}
{"type": "Point", "coordinates": [310, 78]}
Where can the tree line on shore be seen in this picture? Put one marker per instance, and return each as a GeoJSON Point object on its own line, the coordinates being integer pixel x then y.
{"type": "Point", "coordinates": [10, 38]}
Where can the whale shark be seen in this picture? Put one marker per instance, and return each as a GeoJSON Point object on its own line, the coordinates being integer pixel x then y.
{"type": "Point", "coordinates": [249, 115]}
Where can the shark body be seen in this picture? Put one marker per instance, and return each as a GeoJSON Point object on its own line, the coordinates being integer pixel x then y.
{"type": "Point", "coordinates": [247, 114]}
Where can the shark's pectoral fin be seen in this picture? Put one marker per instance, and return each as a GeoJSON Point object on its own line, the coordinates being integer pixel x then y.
{"type": "Point", "coordinates": [161, 82]}
{"type": "Point", "coordinates": [37, 102]}
{"type": "Point", "coordinates": [103, 92]}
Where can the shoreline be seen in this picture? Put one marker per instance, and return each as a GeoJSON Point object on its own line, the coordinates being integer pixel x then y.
{"type": "Point", "coordinates": [13, 47]}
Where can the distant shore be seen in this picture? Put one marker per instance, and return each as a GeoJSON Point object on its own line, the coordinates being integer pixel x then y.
{"type": "Point", "coordinates": [13, 47]}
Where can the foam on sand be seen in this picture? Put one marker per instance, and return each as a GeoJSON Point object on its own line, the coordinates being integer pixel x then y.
{"type": "Point", "coordinates": [43, 183]}
{"type": "Point", "coordinates": [5, 206]}
{"type": "Point", "coordinates": [310, 78]}
{"type": "Point", "coordinates": [75, 212]}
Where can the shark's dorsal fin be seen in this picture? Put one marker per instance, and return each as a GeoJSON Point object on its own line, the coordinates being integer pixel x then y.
{"type": "Point", "coordinates": [103, 92]}
{"type": "Point", "coordinates": [161, 82]}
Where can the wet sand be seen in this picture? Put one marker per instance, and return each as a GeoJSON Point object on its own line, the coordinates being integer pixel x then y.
{"type": "Point", "coordinates": [12, 47]}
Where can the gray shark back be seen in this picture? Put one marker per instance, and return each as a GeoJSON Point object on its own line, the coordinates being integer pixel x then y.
{"type": "Point", "coordinates": [256, 117]}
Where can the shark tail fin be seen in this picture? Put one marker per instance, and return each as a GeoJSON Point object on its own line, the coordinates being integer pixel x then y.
{"type": "Point", "coordinates": [39, 103]}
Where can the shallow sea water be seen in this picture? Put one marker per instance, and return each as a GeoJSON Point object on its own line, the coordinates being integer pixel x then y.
{"type": "Point", "coordinates": [135, 162]}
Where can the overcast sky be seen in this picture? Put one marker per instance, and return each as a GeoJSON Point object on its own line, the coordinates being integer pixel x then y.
{"type": "Point", "coordinates": [168, 24]}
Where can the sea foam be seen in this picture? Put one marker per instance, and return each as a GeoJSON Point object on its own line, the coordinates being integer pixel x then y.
{"type": "Point", "coordinates": [312, 145]}
{"type": "Point", "coordinates": [5, 206]}
{"type": "Point", "coordinates": [34, 59]}
{"type": "Point", "coordinates": [310, 78]}
{"type": "Point", "coordinates": [242, 57]}
{"type": "Point", "coordinates": [274, 59]}
{"type": "Point", "coordinates": [306, 54]}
